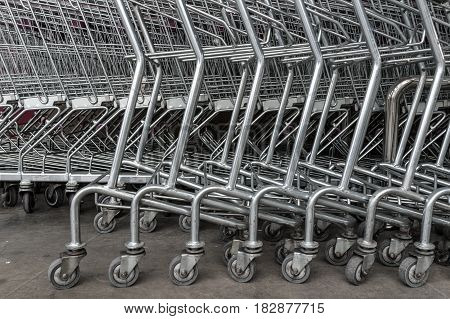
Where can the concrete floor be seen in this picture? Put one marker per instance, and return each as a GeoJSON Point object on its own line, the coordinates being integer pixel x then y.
{"type": "Point", "coordinates": [29, 243]}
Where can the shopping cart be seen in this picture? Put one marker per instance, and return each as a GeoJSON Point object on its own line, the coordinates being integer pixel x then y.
{"type": "Point", "coordinates": [56, 106]}
{"type": "Point", "coordinates": [301, 87]}
{"type": "Point", "coordinates": [413, 272]}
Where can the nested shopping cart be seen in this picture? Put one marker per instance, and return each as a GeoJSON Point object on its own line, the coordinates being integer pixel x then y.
{"type": "Point", "coordinates": [294, 116]}
{"type": "Point", "coordinates": [65, 74]}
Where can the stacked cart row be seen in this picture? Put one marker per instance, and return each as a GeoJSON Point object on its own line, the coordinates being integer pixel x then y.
{"type": "Point", "coordinates": [277, 120]}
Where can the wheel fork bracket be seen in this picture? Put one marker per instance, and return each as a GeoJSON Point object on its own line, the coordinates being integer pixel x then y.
{"type": "Point", "coordinates": [300, 261]}
{"type": "Point", "coordinates": [291, 244]}
{"type": "Point", "coordinates": [109, 215]}
{"type": "Point", "coordinates": [69, 263]}
{"type": "Point", "coordinates": [243, 259]}
{"type": "Point", "coordinates": [188, 262]}
{"type": "Point", "coordinates": [322, 225]}
{"type": "Point", "coordinates": [397, 246]}
{"type": "Point", "coordinates": [235, 246]}
{"type": "Point", "coordinates": [149, 216]}
{"type": "Point", "coordinates": [343, 245]}
{"type": "Point", "coordinates": [52, 188]}
{"type": "Point", "coordinates": [128, 262]}
{"type": "Point", "coordinates": [368, 260]}
{"type": "Point", "coordinates": [423, 263]}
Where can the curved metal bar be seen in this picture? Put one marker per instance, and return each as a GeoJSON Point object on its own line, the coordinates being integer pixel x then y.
{"type": "Point", "coordinates": [358, 136]}
{"type": "Point", "coordinates": [155, 91]}
{"type": "Point", "coordinates": [427, 219]}
{"type": "Point", "coordinates": [133, 96]}
{"type": "Point", "coordinates": [194, 92]}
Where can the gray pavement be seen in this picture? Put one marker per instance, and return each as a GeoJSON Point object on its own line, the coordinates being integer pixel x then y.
{"type": "Point", "coordinates": [29, 243]}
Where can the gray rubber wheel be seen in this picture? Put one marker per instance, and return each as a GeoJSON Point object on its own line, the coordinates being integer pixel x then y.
{"type": "Point", "coordinates": [383, 254]}
{"type": "Point", "coordinates": [354, 272]}
{"type": "Point", "coordinates": [288, 274]}
{"type": "Point", "coordinates": [227, 252]}
{"type": "Point", "coordinates": [407, 274]}
{"type": "Point", "coordinates": [177, 278]}
{"type": "Point", "coordinates": [54, 199]}
{"type": "Point", "coordinates": [118, 280]}
{"type": "Point", "coordinates": [270, 234]}
{"type": "Point", "coordinates": [321, 235]}
{"type": "Point", "coordinates": [28, 202]}
{"type": "Point", "coordinates": [102, 228]}
{"type": "Point", "coordinates": [280, 253]}
{"type": "Point", "coordinates": [145, 227]}
{"type": "Point", "coordinates": [243, 277]}
{"type": "Point", "coordinates": [227, 233]}
{"type": "Point", "coordinates": [331, 257]}
{"type": "Point", "coordinates": [53, 275]}
{"type": "Point", "coordinates": [12, 196]}
{"type": "Point", "coordinates": [185, 223]}
{"type": "Point", "coordinates": [442, 256]}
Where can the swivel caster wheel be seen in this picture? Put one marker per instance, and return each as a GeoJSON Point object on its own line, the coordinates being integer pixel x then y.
{"type": "Point", "coordinates": [354, 271]}
{"type": "Point", "coordinates": [227, 233]}
{"type": "Point", "coordinates": [244, 276]}
{"type": "Point", "coordinates": [321, 235]}
{"type": "Point", "coordinates": [227, 252]}
{"type": "Point", "coordinates": [122, 280]}
{"type": "Point", "coordinates": [407, 273]}
{"type": "Point", "coordinates": [288, 272]}
{"type": "Point", "coordinates": [331, 256]}
{"type": "Point", "coordinates": [147, 227]}
{"type": "Point", "coordinates": [280, 253]}
{"type": "Point", "coordinates": [12, 196]}
{"type": "Point", "coordinates": [178, 278]}
{"type": "Point", "coordinates": [54, 198]}
{"type": "Point", "coordinates": [54, 276]}
{"type": "Point", "coordinates": [102, 227]}
{"type": "Point", "coordinates": [385, 258]}
{"type": "Point", "coordinates": [28, 202]}
{"type": "Point", "coordinates": [184, 222]}
{"type": "Point", "coordinates": [105, 200]}
{"type": "Point", "coordinates": [442, 257]}
{"type": "Point", "coordinates": [272, 232]}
